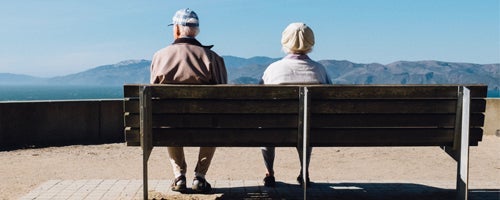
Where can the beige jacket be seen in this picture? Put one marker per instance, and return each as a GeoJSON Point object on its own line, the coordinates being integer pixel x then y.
{"type": "Point", "coordinates": [186, 61]}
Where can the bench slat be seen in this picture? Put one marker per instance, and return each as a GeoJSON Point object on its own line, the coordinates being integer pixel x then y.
{"type": "Point", "coordinates": [318, 91]}
{"type": "Point", "coordinates": [317, 120]}
{"type": "Point", "coordinates": [291, 106]}
{"type": "Point", "coordinates": [392, 91]}
{"type": "Point", "coordinates": [217, 106]}
{"type": "Point", "coordinates": [219, 120]}
{"type": "Point", "coordinates": [388, 137]}
{"type": "Point", "coordinates": [415, 106]}
{"type": "Point", "coordinates": [228, 106]}
{"type": "Point", "coordinates": [217, 137]}
{"type": "Point", "coordinates": [216, 92]}
{"type": "Point", "coordinates": [391, 120]}
{"type": "Point", "coordinates": [319, 137]}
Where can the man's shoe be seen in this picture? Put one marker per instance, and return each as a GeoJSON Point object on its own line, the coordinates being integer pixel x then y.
{"type": "Point", "coordinates": [300, 180]}
{"type": "Point", "coordinates": [179, 184]}
{"type": "Point", "coordinates": [201, 185]}
{"type": "Point", "coordinates": [269, 181]}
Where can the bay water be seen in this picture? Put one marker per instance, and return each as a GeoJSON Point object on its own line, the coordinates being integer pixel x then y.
{"type": "Point", "coordinates": [58, 92]}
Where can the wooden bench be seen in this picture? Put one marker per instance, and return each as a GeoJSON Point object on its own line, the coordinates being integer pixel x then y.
{"type": "Point", "coordinates": [446, 116]}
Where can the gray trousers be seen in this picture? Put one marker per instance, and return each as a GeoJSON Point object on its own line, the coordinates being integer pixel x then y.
{"type": "Point", "coordinates": [269, 152]}
{"type": "Point", "coordinates": [178, 161]}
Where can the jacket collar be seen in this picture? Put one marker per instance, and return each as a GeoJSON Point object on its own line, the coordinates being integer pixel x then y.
{"type": "Point", "coordinates": [297, 56]}
{"type": "Point", "coordinates": [191, 41]}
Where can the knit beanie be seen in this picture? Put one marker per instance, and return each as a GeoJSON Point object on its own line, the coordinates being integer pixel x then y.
{"type": "Point", "coordinates": [297, 38]}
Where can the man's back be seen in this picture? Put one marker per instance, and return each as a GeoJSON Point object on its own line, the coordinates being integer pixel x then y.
{"type": "Point", "coordinates": [187, 61]}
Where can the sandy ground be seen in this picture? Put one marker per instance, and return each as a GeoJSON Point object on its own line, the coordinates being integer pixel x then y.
{"type": "Point", "coordinates": [23, 170]}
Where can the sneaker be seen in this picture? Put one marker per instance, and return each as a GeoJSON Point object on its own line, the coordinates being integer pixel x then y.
{"type": "Point", "coordinates": [269, 181]}
{"type": "Point", "coordinates": [179, 184]}
{"type": "Point", "coordinates": [201, 185]}
{"type": "Point", "coordinates": [300, 180]}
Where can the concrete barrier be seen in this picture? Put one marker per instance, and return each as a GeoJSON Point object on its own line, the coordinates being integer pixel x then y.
{"type": "Point", "coordinates": [55, 123]}
{"type": "Point", "coordinates": [492, 118]}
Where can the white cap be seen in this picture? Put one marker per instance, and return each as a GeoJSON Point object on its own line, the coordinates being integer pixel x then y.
{"type": "Point", "coordinates": [185, 17]}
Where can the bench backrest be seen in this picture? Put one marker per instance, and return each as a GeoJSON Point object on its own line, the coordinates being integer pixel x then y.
{"type": "Point", "coordinates": [216, 115]}
{"type": "Point", "coordinates": [408, 115]}
{"type": "Point", "coordinates": [340, 115]}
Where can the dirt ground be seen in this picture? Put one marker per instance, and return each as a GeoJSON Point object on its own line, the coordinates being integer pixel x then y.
{"type": "Point", "coordinates": [23, 170]}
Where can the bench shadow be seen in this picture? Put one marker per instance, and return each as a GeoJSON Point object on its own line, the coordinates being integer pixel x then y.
{"type": "Point", "coordinates": [351, 191]}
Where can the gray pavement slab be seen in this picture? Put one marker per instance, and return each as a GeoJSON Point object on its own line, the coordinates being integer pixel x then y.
{"type": "Point", "coordinates": [104, 189]}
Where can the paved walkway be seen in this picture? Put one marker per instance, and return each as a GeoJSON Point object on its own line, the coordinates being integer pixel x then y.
{"type": "Point", "coordinates": [253, 189]}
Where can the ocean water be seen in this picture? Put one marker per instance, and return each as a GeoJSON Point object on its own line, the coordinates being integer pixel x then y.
{"type": "Point", "coordinates": [51, 92]}
{"type": "Point", "coordinates": [494, 93]}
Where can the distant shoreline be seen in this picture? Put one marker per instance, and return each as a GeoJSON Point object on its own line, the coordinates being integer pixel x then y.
{"type": "Point", "coordinates": [78, 92]}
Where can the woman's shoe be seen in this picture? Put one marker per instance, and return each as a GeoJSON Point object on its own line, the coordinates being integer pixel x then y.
{"type": "Point", "coordinates": [269, 181]}
{"type": "Point", "coordinates": [300, 180]}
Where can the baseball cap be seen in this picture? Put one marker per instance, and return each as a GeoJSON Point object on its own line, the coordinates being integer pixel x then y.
{"type": "Point", "coordinates": [185, 17]}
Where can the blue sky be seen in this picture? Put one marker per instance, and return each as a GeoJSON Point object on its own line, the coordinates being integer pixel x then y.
{"type": "Point", "coordinates": [59, 37]}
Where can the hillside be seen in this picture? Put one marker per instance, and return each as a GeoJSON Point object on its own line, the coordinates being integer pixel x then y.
{"type": "Point", "coordinates": [249, 71]}
{"type": "Point", "coordinates": [19, 79]}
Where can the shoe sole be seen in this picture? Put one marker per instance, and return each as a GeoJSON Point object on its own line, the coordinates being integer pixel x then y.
{"type": "Point", "coordinates": [179, 188]}
{"type": "Point", "coordinates": [201, 189]}
{"type": "Point", "coordinates": [270, 182]}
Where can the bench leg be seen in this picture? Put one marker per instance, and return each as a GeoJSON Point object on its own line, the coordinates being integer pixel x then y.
{"type": "Point", "coordinates": [303, 140]}
{"type": "Point", "coordinates": [463, 146]}
{"type": "Point", "coordinates": [460, 149]}
{"type": "Point", "coordinates": [146, 134]}
{"type": "Point", "coordinates": [145, 158]}
{"type": "Point", "coordinates": [463, 176]}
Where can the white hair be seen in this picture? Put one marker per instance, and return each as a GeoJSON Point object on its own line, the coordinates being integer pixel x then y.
{"type": "Point", "coordinates": [189, 31]}
{"type": "Point", "coordinates": [289, 51]}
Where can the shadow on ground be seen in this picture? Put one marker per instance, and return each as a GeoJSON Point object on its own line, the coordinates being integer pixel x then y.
{"type": "Point", "coordinates": [339, 191]}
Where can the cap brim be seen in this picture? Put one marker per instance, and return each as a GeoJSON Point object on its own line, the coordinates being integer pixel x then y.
{"type": "Point", "coordinates": [170, 24]}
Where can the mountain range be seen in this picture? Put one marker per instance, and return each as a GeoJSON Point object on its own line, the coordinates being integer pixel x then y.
{"type": "Point", "coordinates": [249, 71]}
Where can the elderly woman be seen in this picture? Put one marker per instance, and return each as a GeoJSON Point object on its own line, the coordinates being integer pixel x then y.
{"type": "Point", "coordinates": [295, 68]}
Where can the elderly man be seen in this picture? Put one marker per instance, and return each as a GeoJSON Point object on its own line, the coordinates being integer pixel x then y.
{"type": "Point", "coordinates": [187, 61]}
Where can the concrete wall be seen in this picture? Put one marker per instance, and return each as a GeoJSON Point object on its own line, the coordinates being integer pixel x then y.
{"type": "Point", "coordinates": [492, 120]}
{"type": "Point", "coordinates": [49, 123]}
{"type": "Point", "coordinates": [52, 123]}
